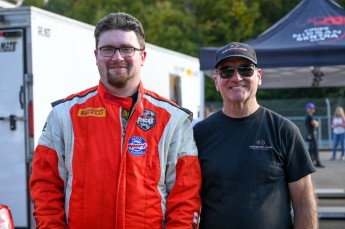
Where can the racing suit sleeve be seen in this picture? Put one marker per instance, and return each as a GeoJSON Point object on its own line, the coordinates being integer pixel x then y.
{"type": "Point", "coordinates": [46, 185]}
{"type": "Point", "coordinates": [183, 202]}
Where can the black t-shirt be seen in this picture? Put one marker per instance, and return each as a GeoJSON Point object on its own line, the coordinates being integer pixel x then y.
{"type": "Point", "coordinates": [311, 133]}
{"type": "Point", "coordinates": [308, 119]}
{"type": "Point", "coordinates": [246, 166]}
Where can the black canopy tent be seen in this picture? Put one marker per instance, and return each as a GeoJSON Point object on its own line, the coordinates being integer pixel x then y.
{"type": "Point", "coordinates": [305, 48]}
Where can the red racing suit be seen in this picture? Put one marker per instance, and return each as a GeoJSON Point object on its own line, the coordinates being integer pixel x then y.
{"type": "Point", "coordinates": [90, 172]}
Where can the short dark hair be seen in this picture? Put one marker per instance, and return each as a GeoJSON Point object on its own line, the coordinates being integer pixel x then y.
{"type": "Point", "coordinates": [121, 21]}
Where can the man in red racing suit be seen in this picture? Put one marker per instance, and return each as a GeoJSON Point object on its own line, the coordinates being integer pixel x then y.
{"type": "Point", "coordinates": [114, 161]}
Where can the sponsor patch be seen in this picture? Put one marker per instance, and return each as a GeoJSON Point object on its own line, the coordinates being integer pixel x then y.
{"type": "Point", "coordinates": [95, 112]}
{"type": "Point", "coordinates": [137, 146]}
{"type": "Point", "coordinates": [147, 120]}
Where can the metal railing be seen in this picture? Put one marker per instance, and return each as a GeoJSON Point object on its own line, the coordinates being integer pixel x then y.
{"type": "Point", "coordinates": [324, 132]}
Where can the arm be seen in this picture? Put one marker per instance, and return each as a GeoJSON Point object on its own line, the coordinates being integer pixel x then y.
{"type": "Point", "coordinates": [46, 189]}
{"type": "Point", "coordinates": [304, 203]}
{"type": "Point", "coordinates": [314, 123]}
{"type": "Point", "coordinates": [184, 203]}
{"type": "Point", "coordinates": [46, 185]}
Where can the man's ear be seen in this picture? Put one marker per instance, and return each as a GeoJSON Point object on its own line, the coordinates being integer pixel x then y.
{"type": "Point", "coordinates": [259, 75]}
{"type": "Point", "coordinates": [143, 57]}
{"type": "Point", "coordinates": [216, 81]}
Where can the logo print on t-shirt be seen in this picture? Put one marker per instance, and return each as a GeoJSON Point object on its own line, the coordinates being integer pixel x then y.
{"type": "Point", "coordinates": [260, 145]}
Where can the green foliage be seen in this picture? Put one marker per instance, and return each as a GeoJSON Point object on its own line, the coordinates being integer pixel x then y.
{"type": "Point", "coordinates": [183, 25]}
{"type": "Point", "coordinates": [37, 3]}
{"type": "Point", "coordinates": [341, 3]}
{"type": "Point", "coordinates": [187, 25]}
{"type": "Point", "coordinates": [271, 11]}
{"type": "Point", "coordinates": [170, 24]}
{"type": "Point", "coordinates": [228, 20]}
{"type": "Point", "coordinates": [210, 92]}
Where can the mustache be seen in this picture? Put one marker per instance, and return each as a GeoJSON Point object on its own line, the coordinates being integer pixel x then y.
{"type": "Point", "coordinates": [121, 64]}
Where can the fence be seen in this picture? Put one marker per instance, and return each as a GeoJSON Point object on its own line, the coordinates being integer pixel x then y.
{"type": "Point", "coordinates": [324, 132]}
{"type": "Point", "coordinates": [294, 109]}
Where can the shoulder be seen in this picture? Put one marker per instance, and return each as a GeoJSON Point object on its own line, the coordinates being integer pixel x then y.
{"type": "Point", "coordinates": [77, 97]}
{"type": "Point", "coordinates": [278, 120]}
{"type": "Point", "coordinates": [272, 114]}
{"type": "Point", "coordinates": [62, 107]}
{"type": "Point", "coordinates": [209, 123]}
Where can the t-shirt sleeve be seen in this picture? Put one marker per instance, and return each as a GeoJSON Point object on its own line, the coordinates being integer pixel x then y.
{"type": "Point", "coordinates": [298, 162]}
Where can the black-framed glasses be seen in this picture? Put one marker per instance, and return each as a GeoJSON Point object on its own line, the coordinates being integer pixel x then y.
{"type": "Point", "coordinates": [108, 51]}
{"type": "Point", "coordinates": [243, 70]}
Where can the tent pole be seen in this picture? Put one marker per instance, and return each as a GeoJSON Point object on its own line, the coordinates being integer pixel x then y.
{"type": "Point", "coordinates": [329, 122]}
{"type": "Point", "coordinates": [202, 95]}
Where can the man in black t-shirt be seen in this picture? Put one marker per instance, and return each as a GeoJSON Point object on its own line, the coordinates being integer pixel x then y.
{"type": "Point", "coordinates": [311, 125]}
{"type": "Point", "coordinates": [255, 166]}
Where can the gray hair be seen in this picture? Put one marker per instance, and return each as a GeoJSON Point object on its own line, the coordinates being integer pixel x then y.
{"type": "Point", "coordinates": [120, 21]}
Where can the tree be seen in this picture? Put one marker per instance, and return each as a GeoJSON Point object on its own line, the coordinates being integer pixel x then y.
{"type": "Point", "coordinates": [186, 25]}
{"type": "Point", "coordinates": [169, 24]}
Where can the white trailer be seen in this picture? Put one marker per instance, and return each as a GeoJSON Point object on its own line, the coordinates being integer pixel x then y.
{"type": "Point", "coordinates": [4, 4]}
{"type": "Point", "coordinates": [45, 57]}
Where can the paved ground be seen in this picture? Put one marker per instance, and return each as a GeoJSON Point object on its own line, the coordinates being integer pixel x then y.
{"type": "Point", "coordinates": [332, 177]}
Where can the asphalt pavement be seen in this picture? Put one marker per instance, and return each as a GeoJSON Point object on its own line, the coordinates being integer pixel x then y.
{"type": "Point", "coordinates": [329, 184]}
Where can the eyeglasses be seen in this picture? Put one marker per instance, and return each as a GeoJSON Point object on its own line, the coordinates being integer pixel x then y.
{"type": "Point", "coordinates": [108, 51]}
{"type": "Point", "coordinates": [243, 70]}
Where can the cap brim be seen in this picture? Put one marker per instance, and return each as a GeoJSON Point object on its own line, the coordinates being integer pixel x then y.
{"type": "Point", "coordinates": [236, 55]}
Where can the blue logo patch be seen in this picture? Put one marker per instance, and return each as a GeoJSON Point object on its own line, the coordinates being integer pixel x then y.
{"type": "Point", "coordinates": [137, 146]}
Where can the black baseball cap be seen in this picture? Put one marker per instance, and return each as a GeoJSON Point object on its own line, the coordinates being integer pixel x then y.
{"type": "Point", "coordinates": [235, 49]}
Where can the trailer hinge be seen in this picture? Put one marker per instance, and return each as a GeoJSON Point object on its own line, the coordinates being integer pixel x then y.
{"type": "Point", "coordinates": [28, 78]}
{"type": "Point", "coordinates": [12, 120]}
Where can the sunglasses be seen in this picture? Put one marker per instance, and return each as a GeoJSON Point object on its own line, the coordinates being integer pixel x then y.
{"type": "Point", "coordinates": [243, 70]}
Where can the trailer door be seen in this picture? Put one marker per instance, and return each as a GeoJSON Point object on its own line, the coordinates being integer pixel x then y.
{"type": "Point", "coordinates": [13, 162]}
{"type": "Point", "coordinates": [175, 89]}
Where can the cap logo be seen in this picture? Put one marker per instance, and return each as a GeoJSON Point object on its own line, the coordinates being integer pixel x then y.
{"type": "Point", "coordinates": [235, 47]}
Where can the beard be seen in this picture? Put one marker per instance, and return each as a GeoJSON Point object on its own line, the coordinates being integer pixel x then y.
{"type": "Point", "coordinates": [118, 80]}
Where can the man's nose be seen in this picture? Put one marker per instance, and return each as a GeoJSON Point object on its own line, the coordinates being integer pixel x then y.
{"type": "Point", "coordinates": [236, 76]}
{"type": "Point", "coordinates": [117, 55]}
